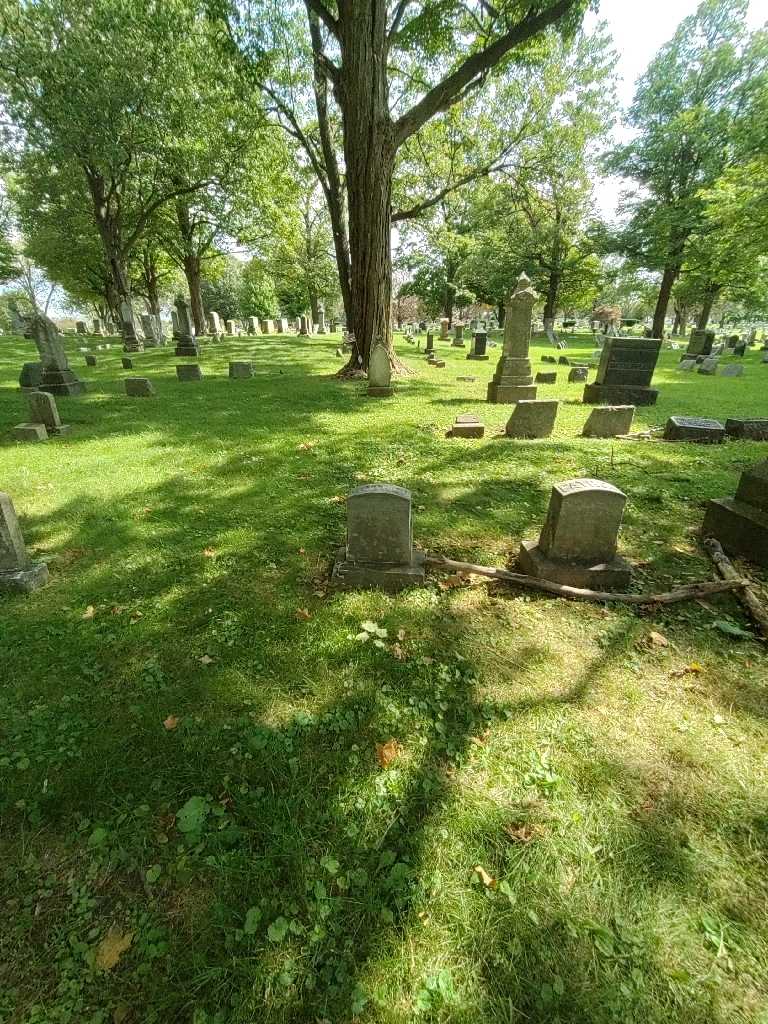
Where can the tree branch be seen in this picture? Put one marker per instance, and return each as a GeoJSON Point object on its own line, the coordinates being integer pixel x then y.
{"type": "Point", "coordinates": [450, 89]}
{"type": "Point", "coordinates": [319, 8]}
{"type": "Point", "coordinates": [397, 19]}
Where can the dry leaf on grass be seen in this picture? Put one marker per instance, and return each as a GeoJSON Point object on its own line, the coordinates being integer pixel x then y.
{"type": "Point", "coordinates": [521, 833]}
{"type": "Point", "coordinates": [658, 639]}
{"type": "Point", "coordinates": [112, 947]}
{"type": "Point", "coordinates": [693, 669]}
{"type": "Point", "coordinates": [206, 660]}
{"type": "Point", "coordinates": [170, 722]}
{"type": "Point", "coordinates": [398, 652]}
{"type": "Point", "coordinates": [209, 552]}
{"type": "Point", "coordinates": [387, 752]}
{"type": "Point", "coordinates": [485, 878]}
{"type": "Point", "coordinates": [89, 612]}
{"type": "Point", "coordinates": [303, 613]}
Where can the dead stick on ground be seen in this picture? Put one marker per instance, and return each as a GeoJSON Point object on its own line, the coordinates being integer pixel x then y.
{"type": "Point", "coordinates": [686, 593]}
{"type": "Point", "coordinates": [746, 594]}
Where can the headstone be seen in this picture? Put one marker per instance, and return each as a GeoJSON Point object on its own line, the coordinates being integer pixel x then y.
{"type": "Point", "coordinates": [379, 552]}
{"type": "Point", "coordinates": [98, 327]}
{"type": "Point", "coordinates": [445, 323]}
{"type": "Point", "coordinates": [429, 347]}
{"type": "Point", "coordinates": [694, 428]}
{"type": "Point", "coordinates": [548, 359]}
{"type": "Point", "coordinates": [708, 367]}
{"type": "Point", "coordinates": [30, 432]}
{"type": "Point", "coordinates": [467, 379]}
{"type": "Point", "coordinates": [17, 571]}
{"type": "Point", "coordinates": [231, 328]}
{"type": "Point", "coordinates": [438, 363]}
{"type": "Point", "coordinates": [31, 376]}
{"type": "Point", "coordinates": [513, 379]}
{"type": "Point", "coordinates": [546, 378]}
{"type": "Point", "coordinates": [127, 363]}
{"type": "Point", "coordinates": [458, 333]}
{"type": "Point", "coordinates": [42, 409]}
{"type": "Point", "coordinates": [253, 324]}
{"type": "Point", "coordinates": [467, 425]}
{"type": "Point", "coordinates": [609, 421]}
{"type": "Point", "coordinates": [625, 372]}
{"type": "Point", "coordinates": [532, 418]}
{"type": "Point", "coordinates": [214, 324]}
{"type": "Point", "coordinates": [81, 327]}
{"type": "Point", "coordinates": [700, 343]}
{"type": "Point", "coordinates": [239, 370]}
{"type": "Point", "coordinates": [379, 372]}
{"type": "Point", "coordinates": [174, 323]}
{"type": "Point", "coordinates": [747, 430]}
{"type": "Point", "coordinates": [132, 341]}
{"type": "Point", "coordinates": [339, 353]}
{"type": "Point", "coordinates": [139, 387]}
{"type": "Point", "coordinates": [732, 371]}
{"type": "Point", "coordinates": [479, 346]}
{"type": "Point", "coordinates": [150, 330]}
{"type": "Point", "coordinates": [189, 371]}
{"type": "Point", "coordinates": [303, 324]}
{"type": "Point", "coordinates": [186, 343]}
{"type": "Point", "coordinates": [687, 364]}
{"type": "Point", "coordinates": [267, 327]}
{"type": "Point", "coordinates": [741, 523]}
{"type": "Point", "coordinates": [90, 360]}
{"type": "Point", "coordinates": [563, 361]}
{"type": "Point", "coordinates": [321, 321]}
{"type": "Point", "coordinates": [57, 376]}
{"type": "Point", "coordinates": [282, 325]}
{"type": "Point", "coordinates": [578, 543]}
{"type": "Point", "coordinates": [577, 374]}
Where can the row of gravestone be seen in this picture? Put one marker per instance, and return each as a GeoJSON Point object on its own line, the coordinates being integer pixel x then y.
{"type": "Point", "coordinates": [535, 418]}
{"type": "Point", "coordinates": [577, 546]}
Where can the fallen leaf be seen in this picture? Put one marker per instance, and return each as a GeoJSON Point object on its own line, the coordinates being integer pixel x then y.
{"type": "Point", "coordinates": [135, 616]}
{"type": "Point", "coordinates": [89, 612]}
{"type": "Point", "coordinates": [485, 878]}
{"type": "Point", "coordinates": [398, 652]}
{"type": "Point", "coordinates": [303, 613]}
{"type": "Point", "coordinates": [171, 722]}
{"type": "Point", "coordinates": [318, 593]}
{"type": "Point", "coordinates": [718, 720]}
{"type": "Point", "coordinates": [306, 446]}
{"type": "Point", "coordinates": [206, 659]}
{"type": "Point", "coordinates": [387, 752]}
{"type": "Point", "coordinates": [302, 551]}
{"type": "Point", "coordinates": [209, 552]}
{"type": "Point", "coordinates": [449, 582]}
{"type": "Point", "coordinates": [117, 609]}
{"type": "Point", "coordinates": [658, 639]}
{"type": "Point", "coordinates": [693, 669]}
{"type": "Point", "coordinates": [521, 833]}
{"type": "Point", "coordinates": [401, 634]}
{"type": "Point", "coordinates": [338, 499]}
{"type": "Point", "coordinates": [112, 947]}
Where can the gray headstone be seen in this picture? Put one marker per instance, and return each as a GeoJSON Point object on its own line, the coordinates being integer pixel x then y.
{"type": "Point", "coordinates": [577, 374]}
{"type": "Point", "coordinates": [513, 379]}
{"type": "Point", "coordinates": [747, 430]}
{"type": "Point", "coordinates": [687, 364]}
{"type": "Point", "coordinates": [90, 360]}
{"type": "Point", "coordinates": [81, 327]}
{"type": "Point", "coordinates": [43, 409]}
{"type": "Point", "coordinates": [732, 371]}
{"type": "Point", "coordinates": [184, 335]}
{"type": "Point", "coordinates": [693, 428]}
{"type": "Point", "coordinates": [189, 371]}
{"type": "Point", "coordinates": [708, 367]}
{"type": "Point", "coordinates": [231, 328]}
{"type": "Point", "coordinates": [239, 370]}
{"type": "Point", "coordinates": [31, 375]}
{"type": "Point", "coordinates": [583, 521]}
{"type": "Point", "coordinates": [546, 378]}
{"type": "Point", "coordinates": [532, 418]}
{"type": "Point", "coordinates": [30, 432]}
{"type": "Point", "coordinates": [57, 376]}
{"type": "Point", "coordinates": [741, 523]}
{"type": "Point", "coordinates": [625, 373]}
{"type": "Point", "coordinates": [17, 572]}
{"type": "Point", "coordinates": [609, 421]}
{"type": "Point", "coordinates": [467, 425]}
{"type": "Point", "coordinates": [127, 363]}
{"type": "Point", "coordinates": [379, 528]}
{"type": "Point", "coordinates": [379, 372]}
{"type": "Point", "coordinates": [138, 387]}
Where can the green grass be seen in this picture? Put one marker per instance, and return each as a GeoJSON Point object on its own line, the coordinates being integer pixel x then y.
{"type": "Point", "coordinates": [617, 801]}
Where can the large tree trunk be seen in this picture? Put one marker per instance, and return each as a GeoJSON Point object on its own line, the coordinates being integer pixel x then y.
{"type": "Point", "coordinates": [450, 291]}
{"type": "Point", "coordinates": [108, 226]}
{"type": "Point", "coordinates": [662, 303]}
{"type": "Point", "coordinates": [550, 303]}
{"type": "Point", "coordinates": [710, 294]}
{"type": "Point", "coordinates": [191, 264]}
{"type": "Point", "coordinates": [369, 155]}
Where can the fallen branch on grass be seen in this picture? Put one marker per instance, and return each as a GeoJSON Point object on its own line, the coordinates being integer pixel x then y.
{"type": "Point", "coordinates": [686, 593]}
{"type": "Point", "coordinates": [746, 594]}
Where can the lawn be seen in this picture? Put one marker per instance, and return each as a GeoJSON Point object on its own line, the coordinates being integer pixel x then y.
{"type": "Point", "coordinates": [219, 806]}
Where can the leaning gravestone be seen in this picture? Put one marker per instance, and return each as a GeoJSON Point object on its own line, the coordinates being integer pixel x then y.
{"type": "Point", "coordinates": [578, 543]}
{"type": "Point", "coordinates": [747, 430]}
{"type": "Point", "coordinates": [42, 409]}
{"type": "Point", "coordinates": [132, 340]}
{"type": "Point", "coordinates": [532, 418]}
{"type": "Point", "coordinates": [189, 371]}
{"type": "Point", "coordinates": [479, 346]}
{"type": "Point", "coordinates": [30, 432]}
{"type": "Point", "coordinates": [699, 343]}
{"type": "Point", "coordinates": [379, 373]}
{"type": "Point", "coordinates": [694, 428]}
{"type": "Point", "coordinates": [513, 379]}
{"type": "Point", "coordinates": [741, 523]}
{"type": "Point", "coordinates": [184, 336]}
{"type": "Point", "coordinates": [138, 387]}
{"type": "Point", "coordinates": [379, 552]}
{"type": "Point", "coordinates": [609, 421]}
{"type": "Point", "coordinates": [149, 329]}
{"type": "Point", "coordinates": [240, 370]}
{"type": "Point", "coordinates": [17, 571]}
{"type": "Point", "coordinates": [625, 373]}
{"type": "Point", "coordinates": [57, 376]}
{"type": "Point", "coordinates": [467, 425]}
{"type": "Point", "coordinates": [31, 376]}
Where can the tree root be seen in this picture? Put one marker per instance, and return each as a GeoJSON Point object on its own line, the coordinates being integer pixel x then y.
{"type": "Point", "coordinates": [746, 593]}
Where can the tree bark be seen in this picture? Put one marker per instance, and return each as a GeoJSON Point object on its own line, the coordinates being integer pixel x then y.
{"type": "Point", "coordinates": [191, 264]}
{"type": "Point", "coordinates": [107, 219]}
{"type": "Point", "coordinates": [710, 294]}
{"type": "Point", "coordinates": [662, 303]}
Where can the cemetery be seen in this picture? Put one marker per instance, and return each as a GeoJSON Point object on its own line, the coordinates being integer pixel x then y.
{"type": "Point", "coordinates": [342, 681]}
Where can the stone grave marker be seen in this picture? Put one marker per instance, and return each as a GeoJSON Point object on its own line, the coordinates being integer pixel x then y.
{"type": "Point", "coordinates": [444, 325]}
{"type": "Point", "coordinates": [98, 327]}
{"type": "Point", "coordinates": [687, 364]}
{"type": "Point", "coordinates": [546, 378]}
{"type": "Point", "coordinates": [57, 377]}
{"type": "Point", "coordinates": [231, 328]}
{"type": "Point", "coordinates": [532, 418]}
{"type": "Point", "coordinates": [186, 343]}
{"type": "Point", "coordinates": [139, 387]}
{"type": "Point", "coordinates": [747, 430]}
{"type": "Point", "coordinates": [699, 343]}
{"type": "Point", "coordinates": [132, 340]}
{"type": "Point", "coordinates": [479, 346]}
{"type": "Point", "coordinates": [42, 409]}
{"type": "Point", "coordinates": [321, 321]}
{"type": "Point", "coordinates": [429, 346]}
{"type": "Point", "coordinates": [17, 571]}
{"type": "Point", "coordinates": [240, 370]}
{"type": "Point", "coordinates": [708, 366]}
{"type": "Point", "coordinates": [609, 421]}
{"type": "Point", "coordinates": [30, 432]}
{"type": "Point", "coordinates": [467, 379]}
{"type": "Point", "coordinates": [578, 544]}
{"type": "Point", "coordinates": [31, 376]}
{"type": "Point", "coordinates": [467, 425]}
{"type": "Point", "coordinates": [127, 363]}
{"type": "Point", "coordinates": [563, 361]}
{"type": "Point", "coordinates": [214, 325]}
{"type": "Point", "coordinates": [253, 324]}
{"type": "Point", "coordinates": [740, 349]}
{"type": "Point", "coordinates": [694, 428]}
{"type": "Point", "coordinates": [549, 359]}
{"type": "Point", "coordinates": [81, 327]}
{"type": "Point", "coordinates": [90, 360]}
{"type": "Point", "coordinates": [189, 371]}
{"type": "Point", "coordinates": [379, 552]}
{"type": "Point", "coordinates": [625, 373]}
{"type": "Point", "coordinates": [150, 330]}
{"type": "Point", "coordinates": [379, 373]}
{"type": "Point", "coordinates": [732, 371]}
{"type": "Point", "coordinates": [267, 327]}
{"type": "Point", "coordinates": [458, 333]}
{"type": "Point", "coordinates": [741, 523]}
{"type": "Point", "coordinates": [577, 374]}
{"type": "Point", "coordinates": [439, 363]}
{"type": "Point", "coordinates": [513, 380]}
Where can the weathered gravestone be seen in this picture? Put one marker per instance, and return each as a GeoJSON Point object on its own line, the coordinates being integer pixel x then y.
{"type": "Point", "coordinates": [214, 324]}
{"type": "Point", "coordinates": [379, 552]}
{"type": "Point", "coordinates": [732, 371]}
{"type": "Point", "coordinates": [687, 364]}
{"type": "Point", "coordinates": [429, 346]}
{"type": "Point", "coordinates": [17, 571]}
{"type": "Point", "coordinates": [699, 343]}
{"type": "Point", "coordinates": [549, 359]}
{"type": "Point", "coordinates": [31, 376]}
{"type": "Point", "coordinates": [303, 324]}
{"type": "Point", "coordinates": [379, 372]}
{"type": "Point", "coordinates": [467, 379]}
{"type": "Point", "coordinates": [42, 409]}
{"type": "Point", "coordinates": [578, 543]}
{"type": "Point", "coordinates": [90, 360]}
{"type": "Point", "coordinates": [438, 363]}
{"type": "Point", "coordinates": [127, 363]}
{"type": "Point", "coordinates": [467, 425]}
{"type": "Point", "coordinates": [740, 349]}
{"type": "Point", "coordinates": [625, 372]}
{"type": "Point", "coordinates": [694, 428]}
{"type": "Point", "coordinates": [532, 418]}
{"type": "Point", "coordinates": [189, 371]}
{"type": "Point", "coordinates": [98, 327]}
{"type": "Point", "coordinates": [267, 327]}
{"type": "Point", "coordinates": [81, 327]}
{"type": "Point", "coordinates": [321, 321]}
{"type": "Point", "coordinates": [30, 432]}
{"type": "Point", "coordinates": [174, 323]}
{"type": "Point", "coordinates": [282, 325]}
{"type": "Point", "coordinates": [708, 366]}
{"type": "Point", "coordinates": [563, 361]}
{"type": "Point", "coordinates": [56, 376]}
{"type": "Point", "coordinates": [479, 346]}
{"type": "Point", "coordinates": [609, 421]}
{"type": "Point", "coordinates": [458, 333]}
{"type": "Point", "coordinates": [444, 326]}
{"type": "Point", "coordinates": [253, 324]}
{"type": "Point", "coordinates": [741, 523]}
{"type": "Point", "coordinates": [546, 378]}
{"type": "Point", "coordinates": [577, 374]}
{"type": "Point", "coordinates": [240, 370]}
{"type": "Point", "coordinates": [132, 340]}
{"type": "Point", "coordinates": [150, 329]}
{"type": "Point", "coordinates": [513, 379]}
{"type": "Point", "coordinates": [747, 430]}
{"type": "Point", "coordinates": [186, 343]}
{"type": "Point", "coordinates": [231, 328]}
{"type": "Point", "coordinates": [139, 387]}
